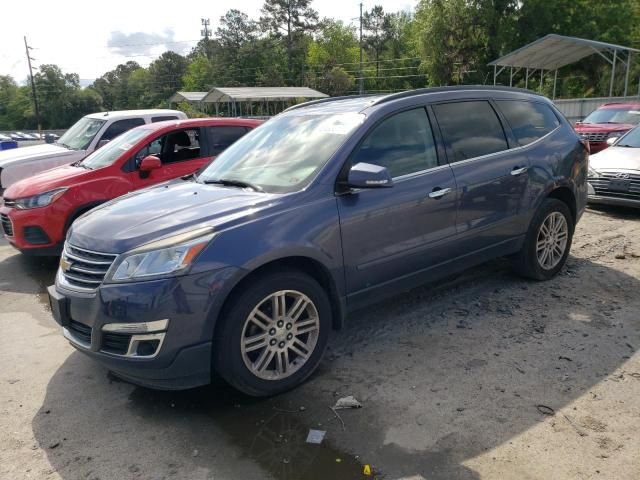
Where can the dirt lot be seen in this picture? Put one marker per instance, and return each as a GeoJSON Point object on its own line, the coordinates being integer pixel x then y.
{"type": "Point", "coordinates": [451, 378]}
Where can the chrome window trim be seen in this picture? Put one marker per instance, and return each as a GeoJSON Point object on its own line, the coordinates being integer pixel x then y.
{"type": "Point", "coordinates": [514, 149]}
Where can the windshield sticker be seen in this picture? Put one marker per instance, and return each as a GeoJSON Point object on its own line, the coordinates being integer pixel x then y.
{"type": "Point", "coordinates": [341, 124]}
{"type": "Point", "coordinates": [635, 112]}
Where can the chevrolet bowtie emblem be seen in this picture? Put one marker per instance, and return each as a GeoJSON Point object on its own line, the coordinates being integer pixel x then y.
{"type": "Point", "coordinates": [64, 264]}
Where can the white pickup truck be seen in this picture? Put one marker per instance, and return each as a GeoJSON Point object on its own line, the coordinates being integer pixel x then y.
{"type": "Point", "coordinates": [85, 136]}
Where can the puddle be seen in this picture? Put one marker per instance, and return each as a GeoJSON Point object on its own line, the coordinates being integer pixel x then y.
{"type": "Point", "coordinates": [266, 432]}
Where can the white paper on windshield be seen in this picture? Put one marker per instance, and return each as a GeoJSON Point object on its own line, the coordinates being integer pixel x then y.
{"type": "Point", "coordinates": [341, 124]}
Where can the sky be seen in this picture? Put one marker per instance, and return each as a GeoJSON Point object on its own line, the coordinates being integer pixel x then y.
{"type": "Point", "coordinates": [90, 38]}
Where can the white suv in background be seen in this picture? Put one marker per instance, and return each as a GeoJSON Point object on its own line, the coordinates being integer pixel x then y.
{"type": "Point", "coordinates": [86, 135]}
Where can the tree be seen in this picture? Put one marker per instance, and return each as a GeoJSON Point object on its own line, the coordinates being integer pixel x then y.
{"type": "Point", "coordinates": [292, 19]}
{"type": "Point", "coordinates": [449, 38]}
{"type": "Point", "coordinates": [199, 75]}
{"type": "Point", "coordinates": [377, 27]}
{"type": "Point", "coordinates": [113, 86]}
{"type": "Point", "coordinates": [165, 76]}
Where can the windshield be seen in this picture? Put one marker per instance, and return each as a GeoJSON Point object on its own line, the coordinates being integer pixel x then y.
{"type": "Point", "coordinates": [631, 139]}
{"type": "Point", "coordinates": [79, 136]}
{"type": "Point", "coordinates": [111, 151]}
{"type": "Point", "coordinates": [613, 115]}
{"type": "Point", "coordinates": [284, 154]}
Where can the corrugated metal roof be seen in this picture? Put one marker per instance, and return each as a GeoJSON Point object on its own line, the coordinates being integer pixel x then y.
{"type": "Point", "coordinates": [187, 97]}
{"type": "Point", "coordinates": [244, 94]}
{"type": "Point", "coordinates": [555, 51]}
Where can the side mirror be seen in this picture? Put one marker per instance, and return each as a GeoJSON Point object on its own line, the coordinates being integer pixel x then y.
{"type": "Point", "coordinates": [367, 175]}
{"type": "Point", "coordinates": [150, 162]}
{"type": "Point", "coordinates": [102, 143]}
{"type": "Point", "coordinates": [612, 140]}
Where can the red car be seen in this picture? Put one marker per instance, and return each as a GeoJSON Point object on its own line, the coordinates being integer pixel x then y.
{"type": "Point", "coordinates": [609, 121]}
{"type": "Point", "coordinates": [38, 211]}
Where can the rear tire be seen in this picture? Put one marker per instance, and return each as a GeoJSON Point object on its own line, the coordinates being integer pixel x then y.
{"type": "Point", "coordinates": [547, 243]}
{"type": "Point", "coordinates": [273, 333]}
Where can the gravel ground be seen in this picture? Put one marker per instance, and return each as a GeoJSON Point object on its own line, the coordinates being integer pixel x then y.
{"type": "Point", "coordinates": [483, 376]}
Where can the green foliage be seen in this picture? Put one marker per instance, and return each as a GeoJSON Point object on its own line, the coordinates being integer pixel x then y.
{"type": "Point", "coordinates": [445, 42]}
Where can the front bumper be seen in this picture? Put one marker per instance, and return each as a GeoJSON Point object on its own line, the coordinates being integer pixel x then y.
{"type": "Point", "coordinates": [36, 231]}
{"type": "Point", "coordinates": [611, 200]}
{"type": "Point", "coordinates": [176, 355]}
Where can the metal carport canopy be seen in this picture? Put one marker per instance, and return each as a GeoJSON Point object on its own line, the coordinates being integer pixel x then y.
{"type": "Point", "coordinates": [187, 97]}
{"type": "Point", "coordinates": [256, 94]}
{"type": "Point", "coordinates": [553, 51]}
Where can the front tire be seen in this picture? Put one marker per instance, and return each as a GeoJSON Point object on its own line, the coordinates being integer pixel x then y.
{"type": "Point", "coordinates": [548, 241]}
{"type": "Point", "coordinates": [273, 333]}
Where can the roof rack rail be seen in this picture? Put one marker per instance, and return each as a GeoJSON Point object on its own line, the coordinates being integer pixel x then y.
{"type": "Point", "coordinates": [326, 100]}
{"type": "Point", "coordinates": [421, 91]}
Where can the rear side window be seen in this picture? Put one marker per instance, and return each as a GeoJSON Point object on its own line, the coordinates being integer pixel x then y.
{"type": "Point", "coordinates": [403, 144]}
{"type": "Point", "coordinates": [224, 137]}
{"type": "Point", "coordinates": [470, 129]}
{"type": "Point", "coordinates": [120, 126]}
{"type": "Point", "coordinates": [163, 119]}
{"type": "Point", "coordinates": [529, 121]}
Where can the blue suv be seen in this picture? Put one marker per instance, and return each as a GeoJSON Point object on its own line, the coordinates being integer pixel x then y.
{"type": "Point", "coordinates": [244, 268]}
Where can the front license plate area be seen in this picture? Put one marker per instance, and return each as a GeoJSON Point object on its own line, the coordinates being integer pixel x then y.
{"type": "Point", "coordinates": [619, 184]}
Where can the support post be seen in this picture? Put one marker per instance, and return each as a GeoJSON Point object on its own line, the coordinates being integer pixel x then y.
{"type": "Point", "coordinates": [495, 74]}
{"type": "Point", "coordinates": [555, 81]}
{"type": "Point", "coordinates": [526, 79]}
{"type": "Point", "coordinates": [626, 75]}
{"type": "Point", "coordinates": [613, 72]}
{"type": "Point", "coordinates": [511, 77]}
{"type": "Point", "coordinates": [541, 80]}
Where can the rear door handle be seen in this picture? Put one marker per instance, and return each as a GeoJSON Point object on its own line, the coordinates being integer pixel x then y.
{"type": "Point", "coordinates": [439, 192]}
{"type": "Point", "coordinates": [518, 171]}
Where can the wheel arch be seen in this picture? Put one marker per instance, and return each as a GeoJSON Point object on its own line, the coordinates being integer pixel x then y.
{"type": "Point", "coordinates": [306, 264]}
{"type": "Point", "coordinates": [566, 195]}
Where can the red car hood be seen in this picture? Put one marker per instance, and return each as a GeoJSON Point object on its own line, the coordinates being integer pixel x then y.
{"type": "Point", "coordinates": [602, 127]}
{"type": "Point", "coordinates": [45, 181]}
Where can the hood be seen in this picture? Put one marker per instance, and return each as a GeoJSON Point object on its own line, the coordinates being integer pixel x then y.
{"type": "Point", "coordinates": [155, 213]}
{"type": "Point", "coordinates": [35, 152]}
{"type": "Point", "coordinates": [602, 127]}
{"type": "Point", "coordinates": [616, 158]}
{"type": "Point", "coordinates": [48, 180]}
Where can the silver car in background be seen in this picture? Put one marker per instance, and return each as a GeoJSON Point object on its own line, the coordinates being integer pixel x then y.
{"type": "Point", "coordinates": [614, 173]}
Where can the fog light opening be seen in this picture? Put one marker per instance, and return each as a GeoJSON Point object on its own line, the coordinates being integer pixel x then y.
{"type": "Point", "coordinates": [146, 348]}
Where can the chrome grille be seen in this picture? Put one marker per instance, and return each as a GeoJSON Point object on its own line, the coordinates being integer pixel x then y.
{"type": "Point", "coordinates": [594, 137]}
{"type": "Point", "coordinates": [602, 184]}
{"type": "Point", "coordinates": [7, 226]}
{"type": "Point", "coordinates": [85, 269]}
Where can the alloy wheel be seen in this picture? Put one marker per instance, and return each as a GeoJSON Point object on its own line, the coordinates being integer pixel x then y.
{"type": "Point", "coordinates": [552, 240]}
{"type": "Point", "coordinates": [279, 335]}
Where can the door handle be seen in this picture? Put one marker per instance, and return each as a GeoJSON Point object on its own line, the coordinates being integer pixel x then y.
{"type": "Point", "coordinates": [439, 192]}
{"type": "Point", "coordinates": [518, 171]}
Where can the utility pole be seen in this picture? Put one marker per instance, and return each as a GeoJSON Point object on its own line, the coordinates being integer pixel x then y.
{"type": "Point", "coordinates": [205, 32]}
{"type": "Point", "coordinates": [33, 86]}
{"type": "Point", "coordinates": [361, 89]}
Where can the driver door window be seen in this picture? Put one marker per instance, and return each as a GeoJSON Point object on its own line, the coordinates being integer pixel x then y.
{"type": "Point", "coordinates": [402, 143]}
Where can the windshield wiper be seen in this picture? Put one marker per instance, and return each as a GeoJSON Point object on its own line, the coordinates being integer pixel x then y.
{"type": "Point", "coordinates": [234, 183]}
{"type": "Point", "coordinates": [64, 145]}
{"type": "Point", "coordinates": [625, 145]}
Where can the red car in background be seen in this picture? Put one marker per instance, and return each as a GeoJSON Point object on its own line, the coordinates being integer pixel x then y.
{"type": "Point", "coordinates": [611, 120]}
{"type": "Point", "coordinates": [38, 210]}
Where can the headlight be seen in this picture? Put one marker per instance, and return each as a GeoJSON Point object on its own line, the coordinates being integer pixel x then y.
{"type": "Point", "coordinates": [41, 200]}
{"type": "Point", "coordinates": [170, 256]}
